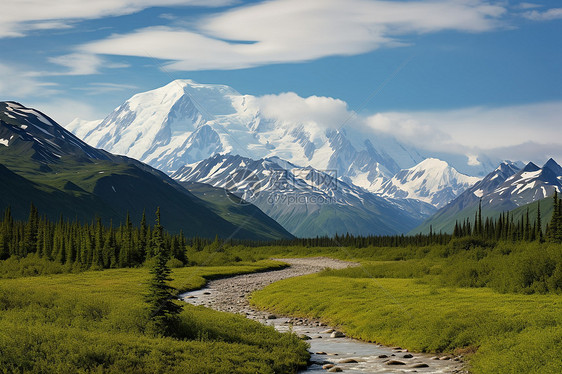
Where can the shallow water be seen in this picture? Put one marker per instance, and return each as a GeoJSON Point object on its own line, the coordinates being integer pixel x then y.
{"type": "Point", "coordinates": [336, 349]}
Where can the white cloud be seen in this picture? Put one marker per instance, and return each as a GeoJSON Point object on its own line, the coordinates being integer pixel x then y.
{"type": "Point", "coordinates": [103, 88]}
{"type": "Point", "coordinates": [534, 129]}
{"type": "Point", "coordinates": [78, 63]}
{"type": "Point", "coordinates": [15, 84]}
{"type": "Point", "coordinates": [547, 15]}
{"type": "Point", "coordinates": [528, 6]}
{"type": "Point", "coordinates": [523, 132]}
{"type": "Point", "coordinates": [324, 111]}
{"type": "Point", "coordinates": [64, 110]}
{"type": "Point", "coordinates": [281, 31]}
{"type": "Point", "coordinates": [17, 17]}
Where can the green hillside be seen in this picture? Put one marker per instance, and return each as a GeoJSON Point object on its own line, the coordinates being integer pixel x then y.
{"type": "Point", "coordinates": [446, 223]}
{"type": "Point", "coordinates": [45, 164]}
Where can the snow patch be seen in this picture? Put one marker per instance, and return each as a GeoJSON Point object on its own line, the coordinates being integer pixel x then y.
{"type": "Point", "coordinates": [4, 142]}
{"type": "Point", "coordinates": [478, 193]}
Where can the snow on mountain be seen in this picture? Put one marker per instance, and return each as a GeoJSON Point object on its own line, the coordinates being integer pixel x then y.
{"type": "Point", "coordinates": [504, 189]}
{"type": "Point", "coordinates": [80, 127]}
{"type": "Point", "coordinates": [25, 128]}
{"type": "Point", "coordinates": [185, 122]}
{"type": "Point", "coordinates": [530, 184]}
{"type": "Point", "coordinates": [432, 181]}
{"type": "Point", "coordinates": [306, 201]}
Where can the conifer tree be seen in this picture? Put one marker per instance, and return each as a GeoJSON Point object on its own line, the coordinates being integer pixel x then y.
{"type": "Point", "coordinates": [160, 298]}
{"type": "Point", "coordinates": [539, 235]}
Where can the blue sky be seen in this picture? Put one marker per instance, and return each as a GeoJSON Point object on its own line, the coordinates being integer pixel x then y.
{"type": "Point", "coordinates": [422, 66]}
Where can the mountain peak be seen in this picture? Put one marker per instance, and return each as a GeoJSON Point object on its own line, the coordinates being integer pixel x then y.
{"type": "Point", "coordinates": [432, 163]}
{"type": "Point", "coordinates": [433, 181]}
{"type": "Point", "coordinates": [530, 167]}
{"type": "Point", "coordinates": [553, 165]}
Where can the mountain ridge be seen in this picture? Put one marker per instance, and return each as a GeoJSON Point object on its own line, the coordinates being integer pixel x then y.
{"type": "Point", "coordinates": [63, 175]}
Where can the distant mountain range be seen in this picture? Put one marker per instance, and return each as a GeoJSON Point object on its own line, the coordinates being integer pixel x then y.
{"type": "Point", "coordinates": [306, 201]}
{"type": "Point", "coordinates": [187, 123]}
{"type": "Point", "coordinates": [505, 189]}
{"type": "Point", "coordinates": [43, 163]}
{"type": "Point", "coordinates": [432, 181]}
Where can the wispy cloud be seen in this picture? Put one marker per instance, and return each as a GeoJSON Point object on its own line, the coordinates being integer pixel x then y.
{"type": "Point", "coordinates": [533, 128]}
{"type": "Point", "coordinates": [282, 31]}
{"type": "Point", "coordinates": [16, 84]}
{"type": "Point", "coordinates": [101, 88]}
{"type": "Point", "coordinates": [18, 17]}
{"type": "Point", "coordinates": [547, 15]}
{"type": "Point", "coordinates": [522, 132]}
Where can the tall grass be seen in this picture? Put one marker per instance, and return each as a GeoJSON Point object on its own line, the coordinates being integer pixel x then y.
{"type": "Point", "coordinates": [95, 322]}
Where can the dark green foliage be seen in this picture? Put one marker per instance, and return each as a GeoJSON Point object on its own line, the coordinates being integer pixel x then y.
{"type": "Point", "coordinates": [83, 246]}
{"type": "Point", "coordinates": [161, 307]}
{"type": "Point", "coordinates": [554, 228]}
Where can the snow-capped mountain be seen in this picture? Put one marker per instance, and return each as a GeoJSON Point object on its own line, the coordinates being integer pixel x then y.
{"type": "Point", "coordinates": [44, 164]}
{"type": "Point", "coordinates": [306, 201]}
{"type": "Point", "coordinates": [506, 188]}
{"type": "Point", "coordinates": [28, 129]}
{"type": "Point", "coordinates": [186, 122]}
{"type": "Point", "coordinates": [530, 184]}
{"type": "Point", "coordinates": [432, 181]}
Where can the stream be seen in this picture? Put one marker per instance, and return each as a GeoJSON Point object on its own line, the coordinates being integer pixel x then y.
{"type": "Point", "coordinates": [329, 353]}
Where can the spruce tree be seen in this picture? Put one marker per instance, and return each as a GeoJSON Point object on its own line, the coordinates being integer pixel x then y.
{"type": "Point", "coordinates": [539, 235]}
{"type": "Point", "coordinates": [554, 226]}
{"type": "Point", "coordinates": [160, 298]}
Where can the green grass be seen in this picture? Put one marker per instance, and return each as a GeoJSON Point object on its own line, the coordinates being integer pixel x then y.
{"type": "Point", "coordinates": [412, 298]}
{"type": "Point", "coordinates": [95, 322]}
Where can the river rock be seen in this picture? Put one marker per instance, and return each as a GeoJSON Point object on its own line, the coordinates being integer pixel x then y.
{"type": "Point", "coordinates": [329, 331]}
{"type": "Point", "coordinates": [347, 361]}
{"type": "Point", "coordinates": [335, 369]}
{"type": "Point", "coordinates": [337, 334]}
{"type": "Point", "coordinates": [382, 356]}
{"type": "Point", "coordinates": [271, 316]}
{"type": "Point", "coordinates": [304, 337]}
{"type": "Point", "coordinates": [407, 355]}
{"type": "Point", "coordinates": [328, 366]}
{"type": "Point", "coordinates": [395, 362]}
{"type": "Point", "coordinates": [420, 365]}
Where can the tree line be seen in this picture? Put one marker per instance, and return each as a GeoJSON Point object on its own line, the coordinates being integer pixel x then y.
{"type": "Point", "coordinates": [95, 246]}
{"type": "Point", "coordinates": [87, 246]}
{"type": "Point", "coordinates": [507, 229]}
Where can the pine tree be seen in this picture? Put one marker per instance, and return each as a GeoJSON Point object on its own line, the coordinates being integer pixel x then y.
{"type": "Point", "coordinates": [554, 229]}
{"type": "Point", "coordinates": [163, 311]}
{"type": "Point", "coordinates": [539, 235]}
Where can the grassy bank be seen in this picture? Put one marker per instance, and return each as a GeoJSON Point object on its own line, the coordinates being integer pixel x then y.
{"type": "Point", "coordinates": [94, 322]}
{"type": "Point", "coordinates": [440, 300]}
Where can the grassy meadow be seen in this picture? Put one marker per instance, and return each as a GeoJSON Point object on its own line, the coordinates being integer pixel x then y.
{"type": "Point", "coordinates": [501, 305]}
{"type": "Point", "coordinates": [95, 322]}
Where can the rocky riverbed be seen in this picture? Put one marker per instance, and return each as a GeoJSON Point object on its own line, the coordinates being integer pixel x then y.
{"type": "Point", "coordinates": [331, 350]}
